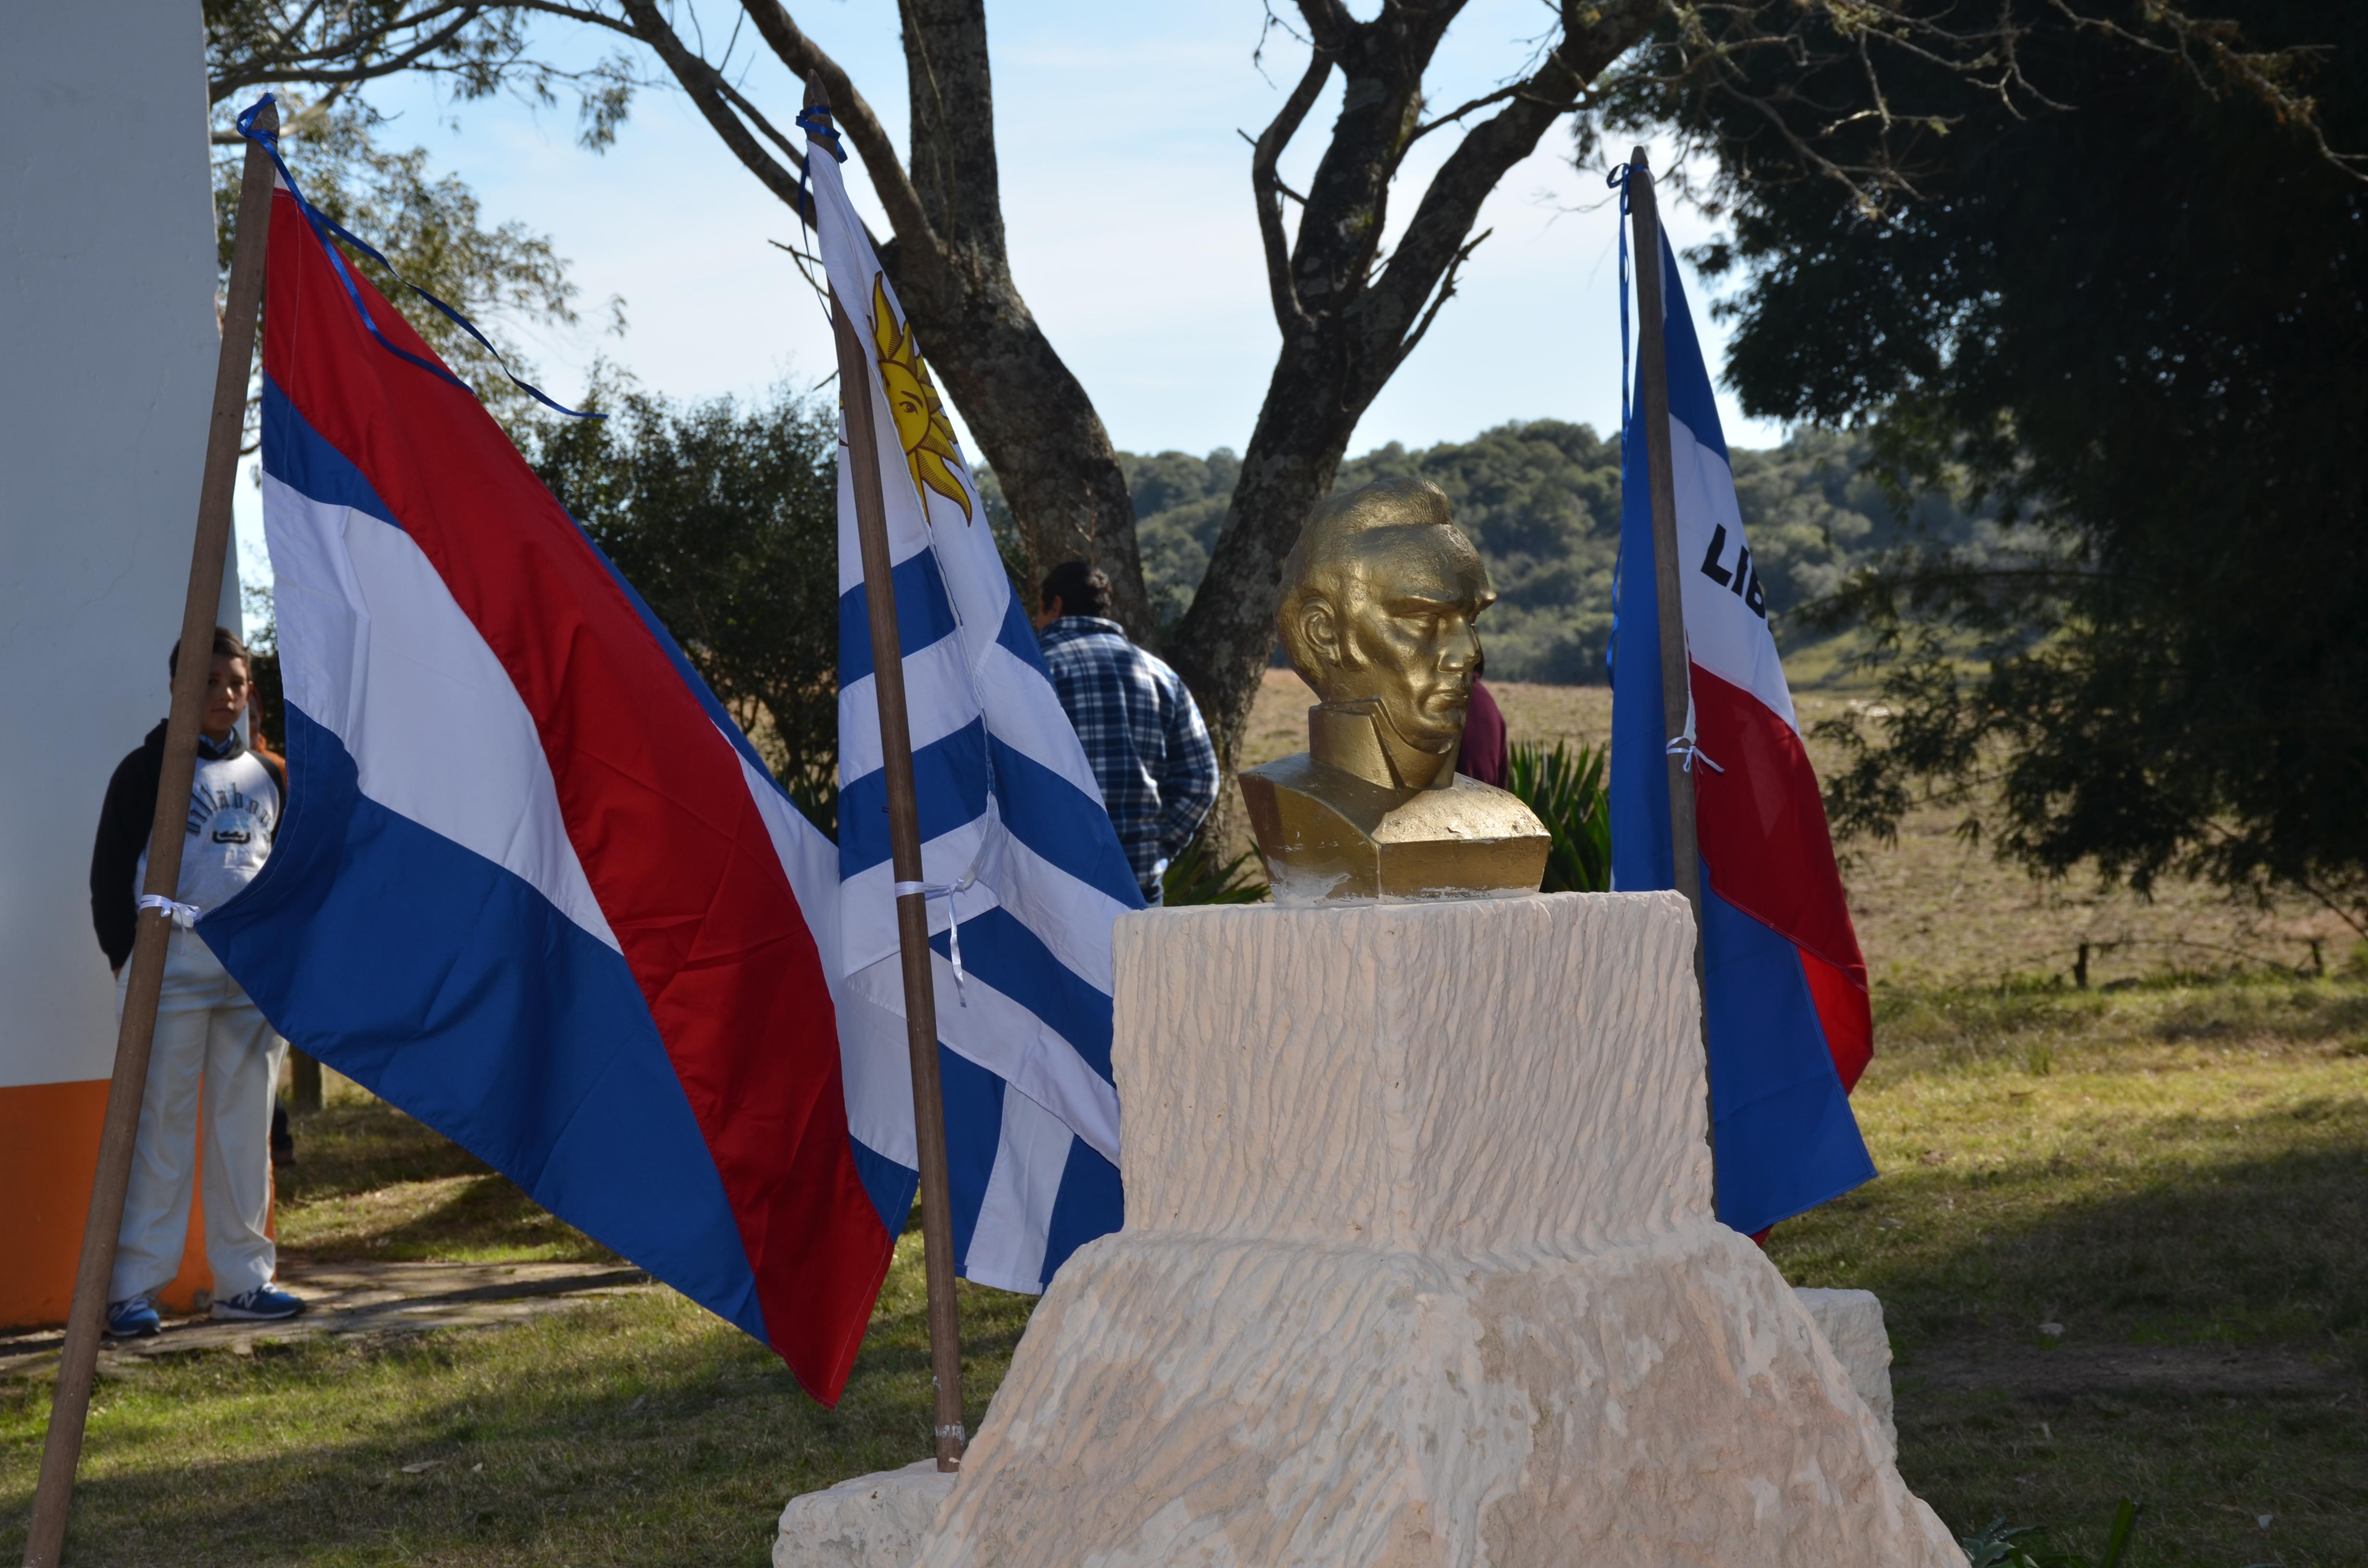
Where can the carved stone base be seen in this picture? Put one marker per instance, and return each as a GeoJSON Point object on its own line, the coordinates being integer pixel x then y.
{"type": "Point", "coordinates": [877, 1521]}
{"type": "Point", "coordinates": [1419, 1269]}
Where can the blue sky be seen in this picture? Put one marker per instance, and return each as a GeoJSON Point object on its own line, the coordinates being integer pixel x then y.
{"type": "Point", "coordinates": [1126, 194]}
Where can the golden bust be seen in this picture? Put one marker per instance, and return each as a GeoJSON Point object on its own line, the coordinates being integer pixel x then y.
{"type": "Point", "coordinates": [1379, 598]}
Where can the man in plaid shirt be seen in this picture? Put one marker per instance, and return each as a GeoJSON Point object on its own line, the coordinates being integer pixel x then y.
{"type": "Point", "coordinates": [1142, 736]}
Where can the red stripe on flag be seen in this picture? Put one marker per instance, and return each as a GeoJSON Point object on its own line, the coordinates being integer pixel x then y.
{"type": "Point", "coordinates": [1843, 1009]}
{"type": "Point", "coordinates": [655, 800]}
{"type": "Point", "coordinates": [1764, 838]}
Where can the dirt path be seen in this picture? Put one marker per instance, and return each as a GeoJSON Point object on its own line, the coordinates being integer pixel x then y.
{"type": "Point", "coordinates": [362, 1298]}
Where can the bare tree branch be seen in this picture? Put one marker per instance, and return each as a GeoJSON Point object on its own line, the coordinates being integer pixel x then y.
{"type": "Point", "coordinates": [1446, 290]}
{"type": "Point", "coordinates": [1434, 241]}
{"type": "Point", "coordinates": [856, 120]}
{"type": "Point", "coordinates": [1329, 26]}
{"type": "Point", "coordinates": [309, 65]}
{"type": "Point", "coordinates": [1451, 116]}
{"type": "Point", "coordinates": [1269, 190]}
{"type": "Point", "coordinates": [708, 92]}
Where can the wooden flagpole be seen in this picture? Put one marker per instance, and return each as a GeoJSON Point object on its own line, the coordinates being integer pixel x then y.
{"type": "Point", "coordinates": [855, 376]}
{"type": "Point", "coordinates": [70, 1401]}
{"type": "Point", "coordinates": [1653, 413]}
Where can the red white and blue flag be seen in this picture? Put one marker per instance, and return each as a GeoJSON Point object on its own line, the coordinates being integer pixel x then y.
{"type": "Point", "coordinates": [533, 886]}
{"type": "Point", "coordinates": [1786, 1021]}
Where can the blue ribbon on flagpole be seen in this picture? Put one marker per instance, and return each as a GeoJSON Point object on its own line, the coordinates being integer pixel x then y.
{"type": "Point", "coordinates": [1617, 180]}
{"type": "Point", "coordinates": [319, 221]}
{"type": "Point", "coordinates": [815, 120]}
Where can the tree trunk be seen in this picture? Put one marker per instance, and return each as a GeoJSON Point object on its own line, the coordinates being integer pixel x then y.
{"type": "Point", "coordinates": [947, 258]}
{"type": "Point", "coordinates": [1223, 643]}
{"type": "Point", "coordinates": [1349, 318]}
{"type": "Point", "coordinates": [1034, 423]}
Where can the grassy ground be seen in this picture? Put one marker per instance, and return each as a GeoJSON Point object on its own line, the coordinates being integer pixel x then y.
{"type": "Point", "coordinates": [2171, 1176]}
{"type": "Point", "coordinates": [632, 1430]}
{"type": "Point", "coordinates": [2121, 1242]}
{"type": "Point", "coordinates": [371, 1186]}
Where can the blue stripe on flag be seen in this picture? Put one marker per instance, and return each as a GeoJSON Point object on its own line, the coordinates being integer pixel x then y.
{"type": "Point", "coordinates": [924, 614]}
{"type": "Point", "coordinates": [1785, 1139]}
{"type": "Point", "coordinates": [950, 777]}
{"type": "Point", "coordinates": [1089, 1204]}
{"type": "Point", "coordinates": [890, 1186]}
{"type": "Point", "coordinates": [449, 986]}
{"type": "Point", "coordinates": [1019, 638]}
{"type": "Point", "coordinates": [1637, 779]}
{"type": "Point", "coordinates": [973, 1100]}
{"type": "Point", "coordinates": [1054, 818]}
{"type": "Point", "coordinates": [1006, 955]}
{"type": "Point", "coordinates": [301, 457]}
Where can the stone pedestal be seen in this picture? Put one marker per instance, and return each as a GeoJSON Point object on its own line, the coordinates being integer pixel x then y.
{"type": "Point", "coordinates": [1419, 1269]}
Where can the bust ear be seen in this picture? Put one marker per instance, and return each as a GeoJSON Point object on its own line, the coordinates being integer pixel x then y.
{"type": "Point", "coordinates": [1319, 629]}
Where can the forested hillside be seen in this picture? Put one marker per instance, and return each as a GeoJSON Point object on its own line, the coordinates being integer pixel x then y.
{"type": "Point", "coordinates": [1541, 500]}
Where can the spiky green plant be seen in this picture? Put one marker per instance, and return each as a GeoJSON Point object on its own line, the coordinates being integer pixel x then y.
{"type": "Point", "coordinates": [1999, 1546]}
{"type": "Point", "coordinates": [1197, 877]}
{"type": "Point", "coordinates": [1565, 787]}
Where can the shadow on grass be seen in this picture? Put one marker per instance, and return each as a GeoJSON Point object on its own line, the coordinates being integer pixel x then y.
{"type": "Point", "coordinates": [356, 1144]}
{"type": "Point", "coordinates": [2269, 1247]}
{"type": "Point", "coordinates": [372, 1184]}
{"type": "Point", "coordinates": [481, 1218]}
{"type": "Point", "coordinates": [2226, 1481]}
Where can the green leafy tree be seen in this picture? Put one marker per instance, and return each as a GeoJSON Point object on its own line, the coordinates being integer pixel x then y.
{"type": "Point", "coordinates": [317, 60]}
{"type": "Point", "coordinates": [724, 519]}
{"type": "Point", "coordinates": [2105, 266]}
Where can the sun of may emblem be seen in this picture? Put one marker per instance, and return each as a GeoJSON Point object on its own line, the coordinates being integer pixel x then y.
{"type": "Point", "coordinates": [922, 427]}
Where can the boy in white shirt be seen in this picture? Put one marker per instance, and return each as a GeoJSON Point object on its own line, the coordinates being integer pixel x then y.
{"type": "Point", "coordinates": [207, 1030]}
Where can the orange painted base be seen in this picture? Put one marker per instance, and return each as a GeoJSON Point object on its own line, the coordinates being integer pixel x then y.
{"type": "Point", "coordinates": [49, 1153]}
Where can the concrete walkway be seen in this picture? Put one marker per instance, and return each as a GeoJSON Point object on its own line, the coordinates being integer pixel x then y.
{"type": "Point", "coordinates": [362, 1298]}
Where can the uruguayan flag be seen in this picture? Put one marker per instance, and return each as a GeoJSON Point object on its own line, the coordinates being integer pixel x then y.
{"type": "Point", "coordinates": [1011, 822]}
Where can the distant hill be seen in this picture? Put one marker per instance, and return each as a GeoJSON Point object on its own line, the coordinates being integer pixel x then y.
{"type": "Point", "coordinates": [1541, 500]}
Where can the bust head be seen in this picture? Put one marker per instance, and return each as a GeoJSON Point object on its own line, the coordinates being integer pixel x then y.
{"type": "Point", "coordinates": [1378, 600]}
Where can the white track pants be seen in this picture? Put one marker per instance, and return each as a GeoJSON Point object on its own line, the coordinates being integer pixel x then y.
{"type": "Point", "coordinates": [206, 1032]}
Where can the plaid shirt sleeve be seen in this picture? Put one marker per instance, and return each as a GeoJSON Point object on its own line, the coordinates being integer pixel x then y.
{"type": "Point", "coordinates": [1189, 785]}
{"type": "Point", "coordinates": [1143, 738]}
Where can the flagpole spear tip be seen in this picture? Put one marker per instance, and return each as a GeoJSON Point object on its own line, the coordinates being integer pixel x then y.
{"type": "Point", "coordinates": [1637, 160]}
{"type": "Point", "coordinates": [817, 95]}
{"type": "Point", "coordinates": [266, 116]}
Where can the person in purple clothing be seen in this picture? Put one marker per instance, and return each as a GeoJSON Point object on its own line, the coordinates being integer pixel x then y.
{"type": "Point", "coordinates": [1142, 732]}
{"type": "Point", "coordinates": [1486, 754]}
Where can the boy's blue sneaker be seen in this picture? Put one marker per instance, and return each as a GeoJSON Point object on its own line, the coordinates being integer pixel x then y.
{"type": "Point", "coordinates": [262, 1304]}
{"type": "Point", "coordinates": [132, 1319]}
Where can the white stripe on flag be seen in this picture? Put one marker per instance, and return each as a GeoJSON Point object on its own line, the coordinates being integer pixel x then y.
{"type": "Point", "coordinates": [382, 656]}
{"type": "Point", "coordinates": [1007, 1248]}
{"type": "Point", "coordinates": [936, 703]}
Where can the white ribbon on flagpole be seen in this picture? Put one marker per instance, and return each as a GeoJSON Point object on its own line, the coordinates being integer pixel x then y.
{"type": "Point", "coordinates": [185, 916]}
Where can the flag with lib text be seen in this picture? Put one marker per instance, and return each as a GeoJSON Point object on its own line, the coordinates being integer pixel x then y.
{"type": "Point", "coordinates": [1025, 869]}
{"type": "Point", "coordinates": [1786, 1020]}
{"type": "Point", "coordinates": [533, 887]}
